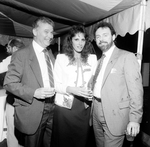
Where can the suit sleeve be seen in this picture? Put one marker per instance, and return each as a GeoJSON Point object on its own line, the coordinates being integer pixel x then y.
{"type": "Point", "coordinates": [135, 87]}
{"type": "Point", "coordinates": [13, 79]}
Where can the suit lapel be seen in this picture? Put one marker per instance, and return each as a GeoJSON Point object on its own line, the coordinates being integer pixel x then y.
{"type": "Point", "coordinates": [111, 63]}
{"type": "Point", "coordinates": [35, 66]}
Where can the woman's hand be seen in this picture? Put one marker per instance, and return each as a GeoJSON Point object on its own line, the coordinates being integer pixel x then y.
{"type": "Point", "coordinates": [80, 91]}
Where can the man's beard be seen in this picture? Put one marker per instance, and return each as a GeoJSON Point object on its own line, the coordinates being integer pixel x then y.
{"type": "Point", "coordinates": [106, 47]}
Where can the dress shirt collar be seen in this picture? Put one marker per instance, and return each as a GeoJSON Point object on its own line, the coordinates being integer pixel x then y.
{"type": "Point", "coordinates": [37, 47]}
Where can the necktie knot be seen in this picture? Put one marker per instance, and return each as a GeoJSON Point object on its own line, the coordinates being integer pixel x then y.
{"type": "Point", "coordinates": [103, 56]}
{"type": "Point", "coordinates": [45, 51]}
{"type": "Point", "coordinates": [101, 62]}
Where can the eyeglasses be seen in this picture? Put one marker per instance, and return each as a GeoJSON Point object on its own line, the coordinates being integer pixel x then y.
{"type": "Point", "coordinates": [8, 47]}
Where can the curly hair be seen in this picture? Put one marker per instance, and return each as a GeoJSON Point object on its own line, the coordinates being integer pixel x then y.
{"type": "Point", "coordinates": [68, 48]}
{"type": "Point", "coordinates": [105, 25]}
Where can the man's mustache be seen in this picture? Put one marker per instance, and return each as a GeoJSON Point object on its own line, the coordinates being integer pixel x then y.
{"type": "Point", "coordinates": [102, 42]}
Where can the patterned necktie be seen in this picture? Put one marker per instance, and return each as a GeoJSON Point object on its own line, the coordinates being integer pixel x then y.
{"type": "Point", "coordinates": [99, 66]}
{"type": "Point", "coordinates": [49, 67]}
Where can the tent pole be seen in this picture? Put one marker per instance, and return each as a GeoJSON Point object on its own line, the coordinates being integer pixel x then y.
{"type": "Point", "coordinates": [141, 32]}
{"type": "Point", "coordinates": [58, 45]}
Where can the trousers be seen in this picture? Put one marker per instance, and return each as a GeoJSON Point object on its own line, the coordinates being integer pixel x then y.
{"type": "Point", "coordinates": [103, 137]}
{"type": "Point", "coordinates": [12, 140]}
{"type": "Point", "coordinates": [42, 137]}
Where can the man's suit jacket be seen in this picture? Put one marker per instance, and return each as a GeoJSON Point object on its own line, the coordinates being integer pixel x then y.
{"type": "Point", "coordinates": [122, 91]}
{"type": "Point", "coordinates": [22, 79]}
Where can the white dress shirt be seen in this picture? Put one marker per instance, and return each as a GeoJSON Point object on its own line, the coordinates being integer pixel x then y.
{"type": "Point", "coordinates": [42, 62]}
{"type": "Point", "coordinates": [98, 84]}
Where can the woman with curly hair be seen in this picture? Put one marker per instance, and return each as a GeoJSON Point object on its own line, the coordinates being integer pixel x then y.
{"type": "Point", "coordinates": [72, 72]}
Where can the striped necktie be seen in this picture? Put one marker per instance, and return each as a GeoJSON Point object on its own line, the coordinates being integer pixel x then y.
{"type": "Point", "coordinates": [49, 67]}
{"type": "Point", "coordinates": [99, 66]}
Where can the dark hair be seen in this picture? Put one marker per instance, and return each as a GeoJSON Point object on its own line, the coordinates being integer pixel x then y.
{"type": "Point", "coordinates": [105, 25]}
{"type": "Point", "coordinates": [68, 48]}
{"type": "Point", "coordinates": [43, 20]}
{"type": "Point", "coordinates": [16, 42]}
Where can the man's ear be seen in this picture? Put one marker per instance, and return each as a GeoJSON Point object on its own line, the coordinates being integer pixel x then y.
{"type": "Point", "coordinates": [34, 32]}
{"type": "Point", "coordinates": [114, 37]}
{"type": "Point", "coordinates": [14, 49]}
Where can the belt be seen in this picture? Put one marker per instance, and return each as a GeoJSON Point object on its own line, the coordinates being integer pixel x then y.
{"type": "Point", "coordinates": [98, 99]}
{"type": "Point", "coordinates": [49, 99]}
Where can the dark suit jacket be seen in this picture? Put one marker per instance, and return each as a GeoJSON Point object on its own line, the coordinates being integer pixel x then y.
{"type": "Point", "coordinates": [22, 79]}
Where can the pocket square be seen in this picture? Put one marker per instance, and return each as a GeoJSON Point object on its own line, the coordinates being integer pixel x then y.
{"type": "Point", "coordinates": [113, 70]}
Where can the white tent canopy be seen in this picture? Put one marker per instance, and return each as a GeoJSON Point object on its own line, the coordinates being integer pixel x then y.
{"type": "Point", "coordinates": [19, 14]}
{"type": "Point", "coordinates": [130, 21]}
{"type": "Point", "coordinates": [125, 15]}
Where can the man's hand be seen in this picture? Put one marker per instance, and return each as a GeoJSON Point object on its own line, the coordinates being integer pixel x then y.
{"type": "Point", "coordinates": [42, 93]}
{"type": "Point", "coordinates": [133, 128]}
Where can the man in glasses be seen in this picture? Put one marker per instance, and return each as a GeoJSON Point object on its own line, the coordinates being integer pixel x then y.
{"type": "Point", "coordinates": [12, 46]}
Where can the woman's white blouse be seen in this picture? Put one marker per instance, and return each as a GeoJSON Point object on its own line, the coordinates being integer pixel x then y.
{"type": "Point", "coordinates": [66, 74]}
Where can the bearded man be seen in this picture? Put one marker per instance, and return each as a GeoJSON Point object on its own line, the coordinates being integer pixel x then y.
{"type": "Point", "coordinates": [118, 91]}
